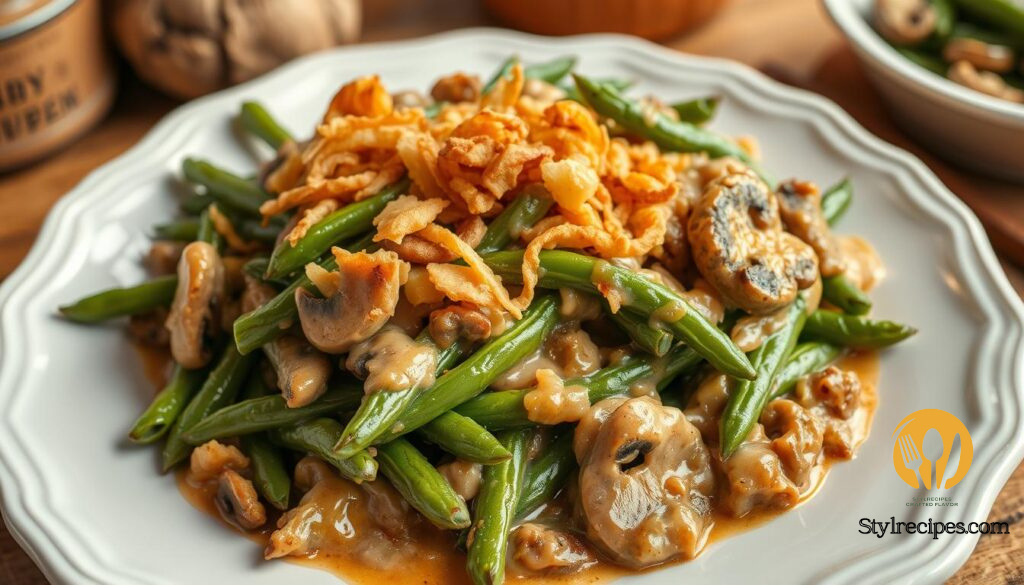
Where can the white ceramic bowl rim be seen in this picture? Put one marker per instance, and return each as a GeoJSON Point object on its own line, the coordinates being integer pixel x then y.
{"type": "Point", "coordinates": [66, 556]}
{"type": "Point", "coordinates": [856, 28]}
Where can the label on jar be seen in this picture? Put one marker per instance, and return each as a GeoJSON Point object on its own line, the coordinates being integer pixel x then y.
{"type": "Point", "coordinates": [55, 81]}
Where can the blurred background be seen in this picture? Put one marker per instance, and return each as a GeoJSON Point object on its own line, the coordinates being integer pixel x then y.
{"type": "Point", "coordinates": [81, 81]}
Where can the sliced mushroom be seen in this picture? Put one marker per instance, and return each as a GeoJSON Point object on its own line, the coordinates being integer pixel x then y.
{"type": "Point", "coordinates": [463, 476]}
{"type": "Point", "coordinates": [755, 478]}
{"type": "Point", "coordinates": [800, 209]}
{"type": "Point", "coordinates": [454, 322]}
{"type": "Point", "coordinates": [163, 257]}
{"type": "Point", "coordinates": [572, 349]}
{"type": "Point", "coordinates": [796, 437]}
{"type": "Point", "coordinates": [197, 300]}
{"type": "Point", "coordinates": [391, 360]}
{"type": "Point", "coordinates": [834, 395]}
{"type": "Point", "coordinates": [540, 549]}
{"type": "Point", "coordinates": [645, 482]}
{"type": "Point", "coordinates": [904, 22]}
{"type": "Point", "coordinates": [740, 248]}
{"type": "Point", "coordinates": [986, 82]}
{"type": "Point", "coordinates": [458, 87]}
{"type": "Point", "coordinates": [238, 502]}
{"type": "Point", "coordinates": [302, 371]}
{"type": "Point", "coordinates": [310, 471]}
{"type": "Point", "coordinates": [213, 458]}
{"type": "Point", "coordinates": [361, 297]}
{"type": "Point", "coordinates": [982, 55]}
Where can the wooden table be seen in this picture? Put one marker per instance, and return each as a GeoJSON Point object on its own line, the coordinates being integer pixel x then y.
{"type": "Point", "coordinates": [789, 39]}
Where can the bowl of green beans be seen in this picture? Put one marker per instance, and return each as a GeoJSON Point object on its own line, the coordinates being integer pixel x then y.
{"type": "Point", "coordinates": [950, 73]}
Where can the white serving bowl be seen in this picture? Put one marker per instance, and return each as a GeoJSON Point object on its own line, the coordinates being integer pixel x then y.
{"type": "Point", "coordinates": [964, 126]}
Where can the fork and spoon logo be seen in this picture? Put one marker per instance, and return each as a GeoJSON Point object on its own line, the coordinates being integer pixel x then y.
{"type": "Point", "coordinates": [932, 445]}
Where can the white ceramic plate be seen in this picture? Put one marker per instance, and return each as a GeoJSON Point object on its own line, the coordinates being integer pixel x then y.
{"type": "Point", "coordinates": [965, 126]}
{"type": "Point", "coordinates": [92, 510]}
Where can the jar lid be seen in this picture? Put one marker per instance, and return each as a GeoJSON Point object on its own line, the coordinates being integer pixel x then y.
{"type": "Point", "coordinates": [19, 16]}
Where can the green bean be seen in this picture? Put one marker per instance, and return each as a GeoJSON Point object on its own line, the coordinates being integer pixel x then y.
{"type": "Point", "coordinates": [1007, 15]}
{"type": "Point", "coordinates": [966, 30]}
{"type": "Point", "coordinates": [318, 437]}
{"type": "Point", "coordinates": [842, 293]}
{"type": "Point", "coordinates": [924, 60]}
{"type": "Point", "coordinates": [431, 111]}
{"type": "Point", "coordinates": [270, 412]}
{"type": "Point", "coordinates": [196, 203]}
{"type": "Point", "coordinates": [503, 71]}
{"type": "Point", "coordinates": [348, 222]}
{"type": "Point", "coordinates": [380, 410]}
{"type": "Point", "coordinates": [121, 302]}
{"type": "Point", "coordinates": [182, 230]}
{"type": "Point", "coordinates": [666, 133]}
{"type": "Point", "coordinates": [166, 406]}
{"type": "Point", "coordinates": [258, 122]}
{"type": "Point", "coordinates": [472, 376]}
{"type": "Point", "coordinates": [495, 511]}
{"type": "Point", "coordinates": [567, 269]}
{"type": "Point", "coordinates": [253, 229]}
{"type": "Point", "coordinates": [945, 19]}
{"type": "Point", "coordinates": [264, 324]}
{"type": "Point", "coordinates": [653, 340]}
{"type": "Point", "coordinates": [231, 190]}
{"type": "Point", "coordinates": [463, 437]}
{"type": "Point", "coordinates": [269, 474]}
{"type": "Point", "coordinates": [572, 93]}
{"type": "Point", "coordinates": [218, 391]}
{"type": "Point", "coordinates": [807, 358]}
{"type": "Point", "coordinates": [748, 397]}
{"type": "Point", "coordinates": [857, 332]}
{"type": "Point", "coordinates": [524, 211]}
{"type": "Point", "coordinates": [505, 409]}
{"type": "Point", "coordinates": [546, 476]}
{"type": "Point", "coordinates": [207, 232]}
{"type": "Point", "coordinates": [698, 111]}
{"type": "Point", "coordinates": [552, 71]}
{"type": "Point", "coordinates": [836, 200]}
{"type": "Point", "coordinates": [421, 485]}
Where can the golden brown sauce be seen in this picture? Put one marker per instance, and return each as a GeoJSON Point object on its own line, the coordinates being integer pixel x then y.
{"type": "Point", "coordinates": [435, 559]}
{"type": "Point", "coordinates": [156, 364]}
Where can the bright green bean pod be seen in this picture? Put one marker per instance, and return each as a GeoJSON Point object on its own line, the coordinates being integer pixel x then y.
{"type": "Point", "coordinates": [568, 269]}
{"type": "Point", "coordinates": [552, 71]}
{"type": "Point", "coordinates": [122, 302]}
{"type": "Point", "coordinates": [231, 190]}
{"type": "Point", "coordinates": [1006, 15]}
{"type": "Point", "coordinates": [463, 437]}
{"type": "Point", "coordinates": [472, 376]}
{"type": "Point", "coordinates": [317, 437]}
{"type": "Point", "coordinates": [668, 134]}
{"type": "Point", "coordinates": [807, 358]}
{"type": "Point", "coordinates": [967, 30]}
{"type": "Point", "coordinates": [546, 476]}
{"type": "Point", "coordinates": [253, 229]}
{"type": "Point", "coordinates": [503, 70]}
{"type": "Point", "coordinates": [157, 420]}
{"type": "Point", "coordinates": [422, 485]}
{"type": "Point", "coordinates": [698, 111]}
{"type": "Point", "coordinates": [748, 397]}
{"type": "Point", "coordinates": [270, 412]}
{"type": "Point", "coordinates": [505, 409]}
{"type": "Point", "coordinates": [264, 324]}
{"type": "Point", "coordinates": [269, 474]}
{"type": "Point", "coordinates": [857, 332]}
{"type": "Point", "coordinates": [348, 222]}
{"type": "Point", "coordinates": [842, 293]}
{"type": "Point", "coordinates": [572, 93]}
{"type": "Point", "coordinates": [524, 211]}
{"type": "Point", "coordinates": [379, 411]}
{"type": "Point", "coordinates": [945, 19]}
{"type": "Point", "coordinates": [495, 511]}
{"type": "Point", "coordinates": [258, 122]}
{"type": "Point", "coordinates": [219, 390]}
{"type": "Point", "coordinates": [181, 230]}
{"type": "Point", "coordinates": [653, 340]}
{"type": "Point", "coordinates": [836, 200]}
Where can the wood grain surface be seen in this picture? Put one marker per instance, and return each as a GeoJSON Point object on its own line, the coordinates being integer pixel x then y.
{"type": "Point", "coordinates": [792, 40]}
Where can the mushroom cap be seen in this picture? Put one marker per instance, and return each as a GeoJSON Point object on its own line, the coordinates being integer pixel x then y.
{"type": "Point", "coordinates": [196, 303]}
{"type": "Point", "coordinates": [904, 22]}
{"type": "Point", "coordinates": [645, 482]}
{"type": "Point", "coordinates": [238, 502]}
{"type": "Point", "coordinates": [800, 209]}
{"type": "Point", "coordinates": [302, 371]}
{"type": "Point", "coordinates": [740, 248]}
{"type": "Point", "coordinates": [982, 55]}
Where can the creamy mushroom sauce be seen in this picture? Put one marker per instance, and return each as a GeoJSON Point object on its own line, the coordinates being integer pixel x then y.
{"type": "Point", "coordinates": [427, 556]}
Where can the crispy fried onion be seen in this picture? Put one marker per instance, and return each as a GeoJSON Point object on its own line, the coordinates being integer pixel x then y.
{"type": "Point", "coordinates": [506, 93]}
{"type": "Point", "coordinates": [485, 157]}
{"type": "Point", "coordinates": [365, 96]}
{"type": "Point", "coordinates": [406, 215]}
{"type": "Point", "coordinates": [309, 217]}
{"type": "Point", "coordinates": [639, 173]}
{"type": "Point", "coordinates": [222, 224]}
{"type": "Point", "coordinates": [572, 131]}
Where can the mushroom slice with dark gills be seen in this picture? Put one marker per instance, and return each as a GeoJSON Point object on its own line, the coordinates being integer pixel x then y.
{"type": "Point", "coordinates": [359, 298]}
{"type": "Point", "coordinates": [238, 502]}
{"type": "Point", "coordinates": [390, 360]}
{"type": "Point", "coordinates": [196, 303]}
{"type": "Point", "coordinates": [539, 549]}
{"type": "Point", "coordinates": [904, 22]}
{"type": "Point", "coordinates": [800, 208]}
{"type": "Point", "coordinates": [740, 248]}
{"type": "Point", "coordinates": [645, 482]}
